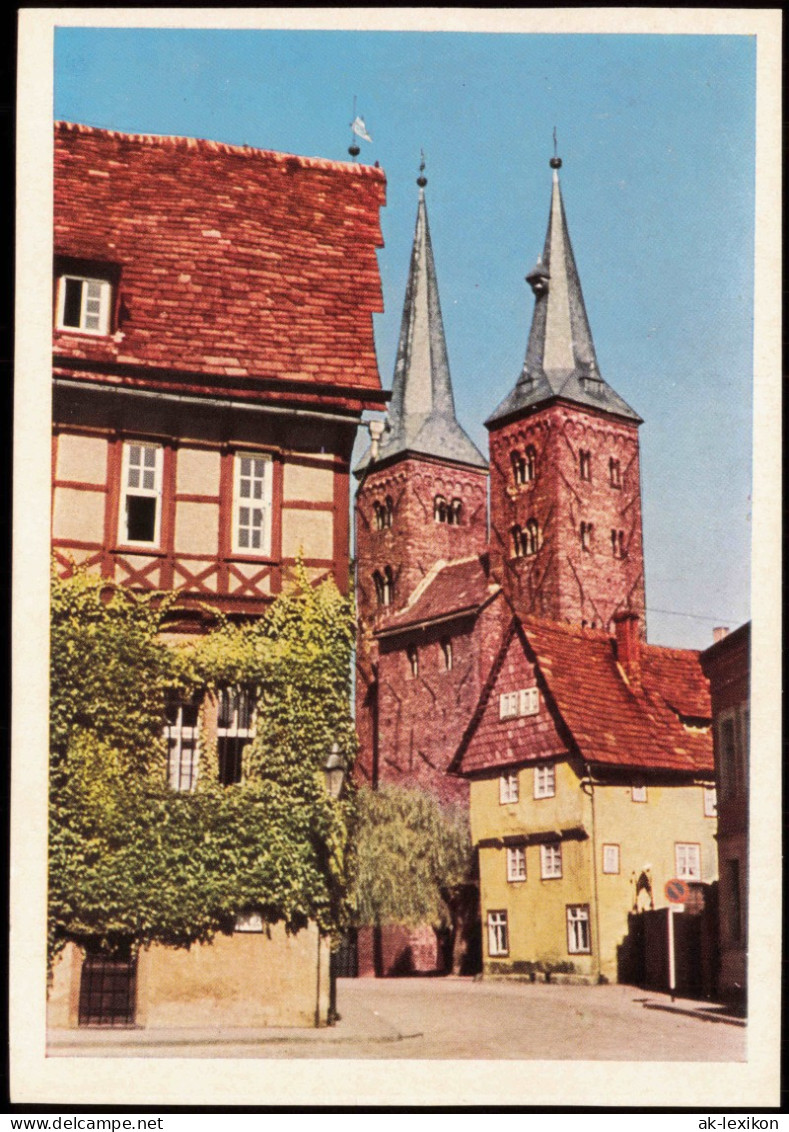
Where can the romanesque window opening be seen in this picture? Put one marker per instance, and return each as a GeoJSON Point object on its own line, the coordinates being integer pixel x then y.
{"type": "Point", "coordinates": [446, 652]}
{"type": "Point", "coordinates": [688, 860]}
{"type": "Point", "coordinates": [455, 512]}
{"type": "Point", "coordinates": [516, 863]}
{"type": "Point", "coordinates": [614, 473]}
{"type": "Point", "coordinates": [141, 495]}
{"type": "Point", "coordinates": [413, 659]}
{"type": "Point", "coordinates": [498, 937]}
{"type": "Point", "coordinates": [252, 508]}
{"type": "Point", "coordinates": [585, 464]}
{"type": "Point", "coordinates": [181, 734]}
{"type": "Point", "coordinates": [524, 465]}
{"type": "Point", "coordinates": [384, 586]}
{"type": "Point", "coordinates": [544, 781]}
{"type": "Point", "coordinates": [551, 861]}
{"type": "Point", "coordinates": [84, 304]}
{"type": "Point", "coordinates": [586, 535]}
{"type": "Point", "coordinates": [445, 511]}
{"type": "Point", "coordinates": [526, 539]}
{"type": "Point", "coordinates": [618, 548]}
{"type": "Point", "coordinates": [578, 936]}
{"type": "Point", "coordinates": [382, 514]}
{"type": "Point", "coordinates": [235, 729]}
{"type": "Point", "coordinates": [508, 788]}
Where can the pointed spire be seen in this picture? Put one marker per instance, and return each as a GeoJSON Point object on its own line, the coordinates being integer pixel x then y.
{"type": "Point", "coordinates": [422, 413]}
{"type": "Point", "coordinates": [560, 357]}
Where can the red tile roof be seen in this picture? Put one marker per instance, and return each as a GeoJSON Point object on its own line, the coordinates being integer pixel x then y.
{"type": "Point", "coordinates": [607, 719]}
{"type": "Point", "coordinates": [453, 589]}
{"type": "Point", "coordinates": [235, 262]}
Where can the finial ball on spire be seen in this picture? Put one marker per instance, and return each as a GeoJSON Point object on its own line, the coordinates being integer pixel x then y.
{"type": "Point", "coordinates": [422, 179]}
{"type": "Point", "coordinates": [556, 163]}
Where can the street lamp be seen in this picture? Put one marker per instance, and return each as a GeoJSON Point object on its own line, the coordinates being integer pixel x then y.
{"type": "Point", "coordinates": [334, 772]}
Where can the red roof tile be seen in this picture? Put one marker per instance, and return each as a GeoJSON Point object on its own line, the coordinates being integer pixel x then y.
{"type": "Point", "coordinates": [609, 720]}
{"type": "Point", "coordinates": [235, 261]}
{"type": "Point", "coordinates": [453, 589]}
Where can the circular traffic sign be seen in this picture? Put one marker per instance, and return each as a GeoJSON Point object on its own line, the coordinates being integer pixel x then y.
{"type": "Point", "coordinates": [676, 891]}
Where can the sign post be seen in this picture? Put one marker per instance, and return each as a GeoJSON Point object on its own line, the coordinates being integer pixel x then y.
{"type": "Point", "coordinates": [676, 893]}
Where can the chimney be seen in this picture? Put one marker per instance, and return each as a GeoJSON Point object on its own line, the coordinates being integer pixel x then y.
{"type": "Point", "coordinates": [719, 633]}
{"type": "Point", "coordinates": [628, 644]}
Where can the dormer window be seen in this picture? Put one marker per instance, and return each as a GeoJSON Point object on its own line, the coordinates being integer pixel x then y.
{"type": "Point", "coordinates": [83, 304]}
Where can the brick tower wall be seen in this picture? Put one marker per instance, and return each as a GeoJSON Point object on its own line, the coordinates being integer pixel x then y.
{"type": "Point", "coordinates": [565, 579]}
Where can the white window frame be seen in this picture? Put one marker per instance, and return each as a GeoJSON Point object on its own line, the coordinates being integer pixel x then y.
{"type": "Point", "coordinates": [244, 482]}
{"type": "Point", "coordinates": [508, 788]}
{"type": "Point", "coordinates": [545, 781]}
{"type": "Point", "coordinates": [508, 705]}
{"type": "Point", "coordinates": [611, 859]}
{"type": "Point", "coordinates": [710, 802]}
{"type": "Point", "coordinates": [249, 922]}
{"type": "Point", "coordinates": [516, 863]}
{"type": "Point", "coordinates": [94, 308]}
{"type": "Point", "coordinates": [638, 793]}
{"type": "Point", "coordinates": [579, 931]}
{"type": "Point", "coordinates": [529, 701]}
{"type": "Point", "coordinates": [233, 731]}
{"type": "Point", "coordinates": [150, 487]}
{"type": "Point", "coordinates": [687, 857]}
{"type": "Point", "coordinates": [551, 860]}
{"type": "Point", "coordinates": [183, 747]}
{"type": "Point", "coordinates": [498, 934]}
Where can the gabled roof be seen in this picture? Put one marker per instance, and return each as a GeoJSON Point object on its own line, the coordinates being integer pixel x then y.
{"type": "Point", "coordinates": [234, 262]}
{"type": "Point", "coordinates": [422, 417]}
{"type": "Point", "coordinates": [560, 357]}
{"type": "Point", "coordinates": [605, 718]}
{"type": "Point", "coordinates": [450, 590]}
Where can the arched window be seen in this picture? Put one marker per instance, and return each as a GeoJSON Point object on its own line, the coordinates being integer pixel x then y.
{"type": "Point", "coordinates": [586, 536]}
{"type": "Point", "coordinates": [413, 659]}
{"type": "Point", "coordinates": [518, 467]}
{"type": "Point", "coordinates": [618, 548]}
{"type": "Point", "coordinates": [455, 512]}
{"type": "Point", "coordinates": [530, 459]}
{"type": "Point", "coordinates": [388, 586]}
{"type": "Point", "coordinates": [378, 581]}
{"type": "Point", "coordinates": [526, 540]}
{"type": "Point", "coordinates": [614, 473]}
{"type": "Point", "coordinates": [388, 509]}
{"type": "Point", "coordinates": [585, 464]}
{"type": "Point", "coordinates": [378, 516]}
{"type": "Point", "coordinates": [531, 537]}
{"type": "Point", "coordinates": [440, 509]}
{"type": "Point", "coordinates": [446, 652]}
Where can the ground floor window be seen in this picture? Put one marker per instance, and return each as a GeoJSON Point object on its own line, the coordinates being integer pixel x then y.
{"type": "Point", "coordinates": [498, 938]}
{"type": "Point", "coordinates": [108, 990]}
{"type": "Point", "coordinates": [688, 861]}
{"type": "Point", "coordinates": [579, 941]}
{"type": "Point", "coordinates": [234, 730]}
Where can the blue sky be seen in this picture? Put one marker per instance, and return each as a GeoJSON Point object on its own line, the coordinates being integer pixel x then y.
{"type": "Point", "coordinates": [657, 138]}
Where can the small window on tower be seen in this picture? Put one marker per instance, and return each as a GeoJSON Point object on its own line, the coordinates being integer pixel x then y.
{"type": "Point", "coordinates": [388, 589]}
{"type": "Point", "coordinates": [618, 548]}
{"type": "Point", "coordinates": [586, 536]}
{"type": "Point", "coordinates": [413, 659]}
{"type": "Point", "coordinates": [388, 510]}
{"type": "Point", "coordinates": [518, 468]}
{"type": "Point", "coordinates": [614, 473]}
{"type": "Point", "coordinates": [455, 512]}
{"type": "Point", "coordinates": [440, 509]}
{"type": "Point", "coordinates": [585, 464]}
{"type": "Point", "coordinates": [446, 652]}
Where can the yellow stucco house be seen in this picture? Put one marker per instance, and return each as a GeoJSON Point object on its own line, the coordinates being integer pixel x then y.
{"type": "Point", "coordinates": [592, 785]}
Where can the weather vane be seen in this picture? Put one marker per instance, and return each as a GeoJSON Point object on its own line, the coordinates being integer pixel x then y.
{"type": "Point", "coordinates": [421, 179]}
{"type": "Point", "coordinates": [358, 130]}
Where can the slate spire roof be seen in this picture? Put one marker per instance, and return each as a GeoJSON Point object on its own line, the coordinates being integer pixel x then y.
{"type": "Point", "coordinates": [422, 417]}
{"type": "Point", "coordinates": [560, 357]}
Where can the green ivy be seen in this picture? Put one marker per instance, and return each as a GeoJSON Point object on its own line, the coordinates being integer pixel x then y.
{"type": "Point", "coordinates": [130, 859]}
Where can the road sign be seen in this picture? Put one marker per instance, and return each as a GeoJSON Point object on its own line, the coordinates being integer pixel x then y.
{"type": "Point", "coordinates": [676, 891]}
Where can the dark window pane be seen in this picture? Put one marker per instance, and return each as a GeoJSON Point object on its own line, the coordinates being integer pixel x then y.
{"type": "Point", "coordinates": [140, 518]}
{"type": "Point", "coordinates": [72, 304]}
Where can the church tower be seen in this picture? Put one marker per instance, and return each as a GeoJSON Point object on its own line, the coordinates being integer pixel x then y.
{"type": "Point", "coordinates": [422, 495]}
{"type": "Point", "coordinates": [565, 495]}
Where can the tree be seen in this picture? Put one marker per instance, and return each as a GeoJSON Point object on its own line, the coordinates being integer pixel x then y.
{"type": "Point", "coordinates": [414, 860]}
{"type": "Point", "coordinates": [132, 860]}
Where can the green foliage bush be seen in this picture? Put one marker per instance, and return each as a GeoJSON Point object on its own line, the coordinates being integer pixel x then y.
{"type": "Point", "coordinates": [131, 859]}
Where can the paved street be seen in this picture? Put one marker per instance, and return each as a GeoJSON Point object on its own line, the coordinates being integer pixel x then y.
{"type": "Point", "coordinates": [458, 1018]}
